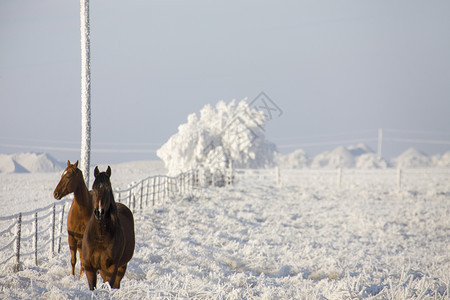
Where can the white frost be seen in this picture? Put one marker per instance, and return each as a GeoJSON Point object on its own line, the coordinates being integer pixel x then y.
{"type": "Point", "coordinates": [85, 90]}
{"type": "Point", "coordinates": [225, 134]}
{"type": "Point", "coordinates": [308, 239]}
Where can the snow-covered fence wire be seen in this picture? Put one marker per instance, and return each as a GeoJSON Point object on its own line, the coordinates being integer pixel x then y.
{"type": "Point", "coordinates": [157, 188]}
{"type": "Point", "coordinates": [29, 234]}
{"type": "Point", "coordinates": [401, 179]}
{"type": "Point", "coordinates": [40, 231]}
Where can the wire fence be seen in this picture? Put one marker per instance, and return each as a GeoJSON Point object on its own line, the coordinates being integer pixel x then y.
{"type": "Point", "coordinates": [380, 179]}
{"type": "Point", "coordinates": [29, 234]}
{"type": "Point", "coordinates": [154, 189]}
{"type": "Point", "coordinates": [25, 236]}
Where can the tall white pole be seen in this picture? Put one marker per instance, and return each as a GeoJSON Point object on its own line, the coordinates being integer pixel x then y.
{"type": "Point", "coordinates": [85, 90]}
{"type": "Point", "coordinates": [380, 141]}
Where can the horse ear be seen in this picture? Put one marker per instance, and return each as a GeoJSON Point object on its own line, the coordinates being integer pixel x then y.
{"type": "Point", "coordinates": [108, 171]}
{"type": "Point", "coordinates": [76, 164]}
{"type": "Point", "coordinates": [96, 171]}
{"type": "Point", "coordinates": [68, 163]}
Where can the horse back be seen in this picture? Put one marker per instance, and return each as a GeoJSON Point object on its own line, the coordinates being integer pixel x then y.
{"type": "Point", "coordinates": [127, 222]}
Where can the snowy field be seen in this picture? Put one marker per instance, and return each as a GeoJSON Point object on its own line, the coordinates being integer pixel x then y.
{"type": "Point", "coordinates": [308, 238]}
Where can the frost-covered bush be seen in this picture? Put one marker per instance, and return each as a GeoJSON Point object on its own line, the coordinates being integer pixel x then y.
{"type": "Point", "coordinates": [224, 135]}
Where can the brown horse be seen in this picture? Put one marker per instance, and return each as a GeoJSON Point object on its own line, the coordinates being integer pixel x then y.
{"type": "Point", "coordinates": [108, 242]}
{"type": "Point", "coordinates": [72, 181]}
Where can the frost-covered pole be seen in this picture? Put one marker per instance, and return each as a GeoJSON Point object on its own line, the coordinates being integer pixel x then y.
{"type": "Point", "coordinates": [19, 233]}
{"type": "Point", "coordinates": [85, 90]}
{"type": "Point", "coordinates": [380, 141]}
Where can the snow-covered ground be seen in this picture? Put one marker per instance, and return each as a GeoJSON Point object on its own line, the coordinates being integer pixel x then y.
{"type": "Point", "coordinates": [306, 239]}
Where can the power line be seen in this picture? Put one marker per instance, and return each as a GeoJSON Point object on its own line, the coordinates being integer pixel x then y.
{"type": "Point", "coordinates": [417, 141]}
{"type": "Point", "coordinates": [374, 131]}
{"type": "Point", "coordinates": [416, 131]}
{"type": "Point", "coordinates": [78, 142]}
{"type": "Point", "coordinates": [327, 143]}
{"type": "Point", "coordinates": [96, 150]}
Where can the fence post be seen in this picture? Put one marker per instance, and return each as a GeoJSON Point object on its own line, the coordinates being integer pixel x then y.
{"type": "Point", "coordinates": [191, 181]}
{"type": "Point", "coordinates": [159, 187]}
{"type": "Point", "coordinates": [142, 195]}
{"type": "Point", "coordinates": [53, 228]}
{"type": "Point", "coordinates": [399, 178]}
{"type": "Point", "coordinates": [35, 238]}
{"type": "Point", "coordinates": [182, 187]}
{"type": "Point", "coordinates": [181, 180]}
{"type": "Point", "coordinates": [168, 187]}
{"type": "Point", "coordinates": [209, 178]}
{"type": "Point", "coordinates": [129, 199]}
{"type": "Point", "coordinates": [153, 191]}
{"type": "Point", "coordinates": [61, 228]}
{"type": "Point", "coordinates": [146, 194]}
{"type": "Point", "coordinates": [188, 182]}
{"type": "Point", "coordinates": [19, 231]}
{"type": "Point", "coordinates": [168, 183]}
{"type": "Point", "coordinates": [278, 174]}
{"type": "Point", "coordinates": [119, 198]}
{"type": "Point", "coordinates": [164, 184]}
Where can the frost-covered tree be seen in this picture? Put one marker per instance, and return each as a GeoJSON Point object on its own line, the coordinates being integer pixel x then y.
{"type": "Point", "coordinates": [224, 135]}
{"type": "Point", "coordinates": [85, 90]}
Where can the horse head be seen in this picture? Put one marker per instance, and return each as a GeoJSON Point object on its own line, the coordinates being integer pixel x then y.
{"type": "Point", "coordinates": [103, 194]}
{"type": "Point", "coordinates": [69, 181]}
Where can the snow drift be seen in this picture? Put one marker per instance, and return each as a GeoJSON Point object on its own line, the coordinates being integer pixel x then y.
{"type": "Point", "coordinates": [224, 135]}
{"type": "Point", "coordinates": [360, 157]}
{"type": "Point", "coordinates": [412, 158]}
{"type": "Point", "coordinates": [442, 161]}
{"type": "Point", "coordinates": [29, 163]}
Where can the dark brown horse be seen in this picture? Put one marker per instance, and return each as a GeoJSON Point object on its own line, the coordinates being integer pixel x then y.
{"type": "Point", "coordinates": [72, 181]}
{"type": "Point", "coordinates": [108, 242]}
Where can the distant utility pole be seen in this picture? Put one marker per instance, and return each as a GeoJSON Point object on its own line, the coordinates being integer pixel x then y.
{"type": "Point", "coordinates": [380, 141]}
{"type": "Point", "coordinates": [85, 90]}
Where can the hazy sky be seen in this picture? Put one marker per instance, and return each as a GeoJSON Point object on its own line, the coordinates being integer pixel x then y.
{"type": "Point", "coordinates": [338, 70]}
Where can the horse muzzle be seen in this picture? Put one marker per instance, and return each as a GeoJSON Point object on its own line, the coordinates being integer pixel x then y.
{"type": "Point", "coordinates": [57, 195]}
{"type": "Point", "coordinates": [99, 214]}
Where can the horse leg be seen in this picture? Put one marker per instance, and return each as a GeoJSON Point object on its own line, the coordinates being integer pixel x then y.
{"type": "Point", "coordinates": [104, 276]}
{"type": "Point", "coordinates": [73, 251]}
{"type": "Point", "coordinates": [109, 275]}
{"type": "Point", "coordinates": [79, 247]}
{"type": "Point", "coordinates": [120, 274]}
{"type": "Point", "coordinates": [112, 280]}
{"type": "Point", "coordinates": [91, 275]}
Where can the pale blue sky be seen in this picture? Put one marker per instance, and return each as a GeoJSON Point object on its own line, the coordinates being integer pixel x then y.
{"type": "Point", "coordinates": [339, 70]}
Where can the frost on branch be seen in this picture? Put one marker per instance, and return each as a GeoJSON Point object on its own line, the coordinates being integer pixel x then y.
{"type": "Point", "coordinates": [228, 134]}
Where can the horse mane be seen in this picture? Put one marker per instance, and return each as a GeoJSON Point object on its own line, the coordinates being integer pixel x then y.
{"type": "Point", "coordinates": [112, 204]}
{"type": "Point", "coordinates": [102, 183]}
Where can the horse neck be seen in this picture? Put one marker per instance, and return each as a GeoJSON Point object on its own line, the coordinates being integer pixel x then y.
{"type": "Point", "coordinates": [83, 198]}
{"type": "Point", "coordinates": [108, 226]}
